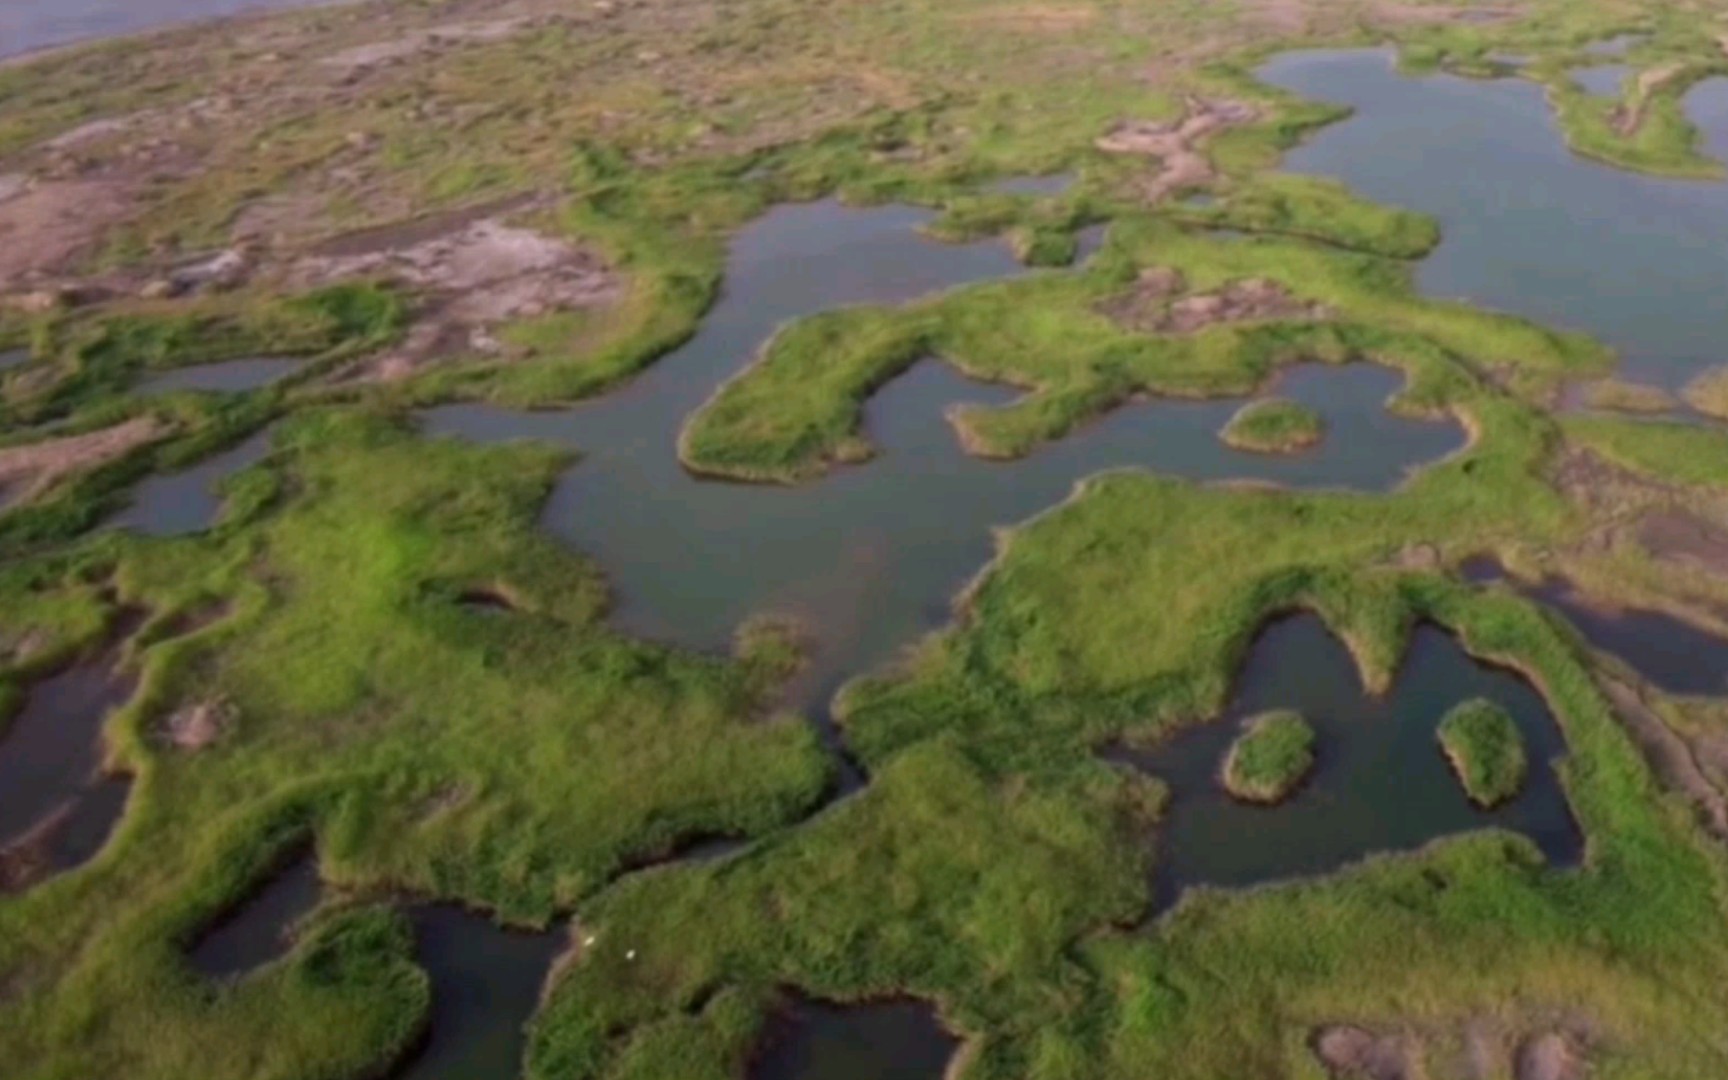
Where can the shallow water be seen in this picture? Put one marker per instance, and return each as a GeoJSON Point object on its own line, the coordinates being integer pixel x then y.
{"type": "Point", "coordinates": [27, 25]}
{"type": "Point", "coordinates": [485, 985]}
{"type": "Point", "coordinates": [231, 376]}
{"type": "Point", "coordinates": [1054, 184]}
{"type": "Point", "coordinates": [870, 556]}
{"type": "Point", "coordinates": [818, 1040]}
{"type": "Point", "coordinates": [1669, 653]}
{"type": "Point", "coordinates": [14, 358]}
{"type": "Point", "coordinates": [1608, 80]}
{"type": "Point", "coordinates": [1379, 783]}
{"type": "Point", "coordinates": [1529, 227]}
{"type": "Point", "coordinates": [256, 932]}
{"type": "Point", "coordinates": [176, 504]}
{"type": "Point", "coordinates": [51, 751]}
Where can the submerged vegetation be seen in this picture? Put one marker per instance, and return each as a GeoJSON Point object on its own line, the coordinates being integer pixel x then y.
{"type": "Point", "coordinates": [377, 655]}
{"type": "Point", "coordinates": [1486, 751]}
{"type": "Point", "coordinates": [1270, 757]}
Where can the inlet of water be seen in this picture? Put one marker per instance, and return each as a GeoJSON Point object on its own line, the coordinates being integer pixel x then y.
{"type": "Point", "coordinates": [14, 358]}
{"type": "Point", "coordinates": [486, 984]}
{"type": "Point", "coordinates": [1667, 652]}
{"type": "Point", "coordinates": [176, 504]}
{"type": "Point", "coordinates": [885, 1040]}
{"type": "Point", "coordinates": [1606, 80]}
{"type": "Point", "coordinates": [1529, 227]}
{"type": "Point", "coordinates": [1380, 782]}
{"type": "Point", "coordinates": [257, 931]}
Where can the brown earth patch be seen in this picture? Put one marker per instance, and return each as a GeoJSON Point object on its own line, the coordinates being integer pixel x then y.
{"type": "Point", "coordinates": [473, 272]}
{"type": "Point", "coordinates": [1036, 18]}
{"type": "Point", "coordinates": [1670, 757]}
{"type": "Point", "coordinates": [1156, 305]}
{"type": "Point", "coordinates": [1628, 118]}
{"type": "Point", "coordinates": [195, 727]}
{"type": "Point", "coordinates": [47, 225]}
{"type": "Point", "coordinates": [1551, 1056]}
{"type": "Point", "coordinates": [1176, 144]}
{"type": "Point", "coordinates": [395, 50]}
{"type": "Point", "coordinates": [1356, 1053]}
{"type": "Point", "coordinates": [27, 471]}
{"type": "Point", "coordinates": [1683, 537]}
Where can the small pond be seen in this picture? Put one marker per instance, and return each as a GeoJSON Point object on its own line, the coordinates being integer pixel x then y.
{"type": "Point", "coordinates": [1380, 782]}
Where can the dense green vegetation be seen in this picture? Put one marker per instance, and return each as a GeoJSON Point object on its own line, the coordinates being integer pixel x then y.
{"type": "Point", "coordinates": [534, 763]}
{"type": "Point", "coordinates": [1482, 743]}
{"type": "Point", "coordinates": [1270, 757]}
{"type": "Point", "coordinates": [1274, 426]}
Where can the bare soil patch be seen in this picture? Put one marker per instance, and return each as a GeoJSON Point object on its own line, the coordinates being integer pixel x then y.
{"type": "Point", "coordinates": [1354, 1053]}
{"type": "Point", "coordinates": [1684, 537]}
{"type": "Point", "coordinates": [1551, 1056]}
{"type": "Point", "coordinates": [49, 224]}
{"type": "Point", "coordinates": [1628, 118]}
{"type": "Point", "coordinates": [1036, 18]}
{"type": "Point", "coordinates": [1670, 757]}
{"type": "Point", "coordinates": [473, 272]}
{"type": "Point", "coordinates": [197, 726]}
{"type": "Point", "coordinates": [395, 50]}
{"type": "Point", "coordinates": [1157, 304]}
{"type": "Point", "coordinates": [1176, 145]}
{"type": "Point", "coordinates": [27, 471]}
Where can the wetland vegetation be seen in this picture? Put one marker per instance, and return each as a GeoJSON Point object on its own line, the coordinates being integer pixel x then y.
{"type": "Point", "coordinates": [731, 569]}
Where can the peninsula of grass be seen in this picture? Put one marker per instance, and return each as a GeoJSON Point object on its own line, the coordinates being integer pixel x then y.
{"type": "Point", "coordinates": [1482, 743]}
{"type": "Point", "coordinates": [1270, 758]}
{"type": "Point", "coordinates": [1274, 426]}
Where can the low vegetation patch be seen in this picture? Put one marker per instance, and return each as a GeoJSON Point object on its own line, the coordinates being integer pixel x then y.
{"type": "Point", "coordinates": [1616, 395]}
{"type": "Point", "coordinates": [1708, 393]}
{"type": "Point", "coordinates": [1482, 742]}
{"type": "Point", "coordinates": [1274, 426]}
{"type": "Point", "coordinates": [1271, 757]}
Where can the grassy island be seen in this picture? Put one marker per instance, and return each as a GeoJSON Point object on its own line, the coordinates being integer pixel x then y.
{"type": "Point", "coordinates": [1486, 751]}
{"type": "Point", "coordinates": [1271, 757]}
{"type": "Point", "coordinates": [1274, 426]}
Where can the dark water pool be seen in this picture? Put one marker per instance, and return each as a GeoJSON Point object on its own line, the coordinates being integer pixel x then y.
{"type": "Point", "coordinates": [176, 504]}
{"type": "Point", "coordinates": [485, 986]}
{"type": "Point", "coordinates": [889, 1040]}
{"type": "Point", "coordinates": [50, 752]}
{"type": "Point", "coordinates": [1669, 653]}
{"type": "Point", "coordinates": [258, 930]}
{"type": "Point", "coordinates": [870, 556]}
{"type": "Point", "coordinates": [1528, 226]}
{"type": "Point", "coordinates": [13, 358]}
{"type": "Point", "coordinates": [1379, 782]}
